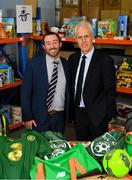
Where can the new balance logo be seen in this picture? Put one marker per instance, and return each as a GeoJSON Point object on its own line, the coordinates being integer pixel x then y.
{"type": "Point", "coordinates": [61, 174]}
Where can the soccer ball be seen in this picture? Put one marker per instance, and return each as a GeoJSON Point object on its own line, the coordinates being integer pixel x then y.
{"type": "Point", "coordinates": [117, 162]}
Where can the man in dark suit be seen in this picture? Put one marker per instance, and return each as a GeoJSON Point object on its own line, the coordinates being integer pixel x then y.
{"type": "Point", "coordinates": [38, 112]}
{"type": "Point", "coordinates": [92, 93]}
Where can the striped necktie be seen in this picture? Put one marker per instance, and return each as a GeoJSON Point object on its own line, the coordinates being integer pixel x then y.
{"type": "Point", "coordinates": [52, 85]}
{"type": "Point", "coordinates": [79, 82]}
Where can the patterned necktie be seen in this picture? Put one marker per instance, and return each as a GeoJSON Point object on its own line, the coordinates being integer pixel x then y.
{"type": "Point", "coordinates": [52, 85]}
{"type": "Point", "coordinates": [79, 82]}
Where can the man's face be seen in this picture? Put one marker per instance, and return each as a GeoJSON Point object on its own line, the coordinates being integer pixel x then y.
{"type": "Point", "coordinates": [52, 45]}
{"type": "Point", "coordinates": [84, 38]}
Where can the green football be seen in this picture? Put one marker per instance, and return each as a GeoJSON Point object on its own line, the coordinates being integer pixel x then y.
{"type": "Point", "coordinates": [117, 162]}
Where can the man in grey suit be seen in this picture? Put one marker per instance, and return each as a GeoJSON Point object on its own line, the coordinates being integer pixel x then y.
{"type": "Point", "coordinates": [37, 113]}
{"type": "Point", "coordinates": [93, 92]}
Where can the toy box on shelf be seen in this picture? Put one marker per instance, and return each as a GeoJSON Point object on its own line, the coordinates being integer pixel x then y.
{"type": "Point", "coordinates": [6, 74]}
{"type": "Point", "coordinates": [107, 28]}
{"type": "Point", "coordinates": [124, 74]}
{"type": "Point", "coordinates": [122, 25]}
{"type": "Point", "coordinates": [12, 113]}
{"type": "Point", "coordinates": [94, 24]}
{"type": "Point", "coordinates": [70, 24]}
{"type": "Point", "coordinates": [16, 114]}
{"type": "Point", "coordinates": [8, 27]}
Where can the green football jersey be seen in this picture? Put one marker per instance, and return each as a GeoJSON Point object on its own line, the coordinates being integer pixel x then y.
{"type": "Point", "coordinates": [17, 155]}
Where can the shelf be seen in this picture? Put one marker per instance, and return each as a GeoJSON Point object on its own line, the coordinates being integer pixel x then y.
{"type": "Point", "coordinates": [14, 126]}
{"type": "Point", "coordinates": [36, 37]}
{"type": "Point", "coordinates": [112, 41]}
{"type": "Point", "coordinates": [103, 41]}
{"type": "Point", "coordinates": [11, 85]}
{"type": "Point", "coordinates": [97, 41]}
{"type": "Point", "coordinates": [125, 90]}
{"type": "Point", "coordinates": [10, 40]}
{"type": "Point", "coordinates": [68, 39]}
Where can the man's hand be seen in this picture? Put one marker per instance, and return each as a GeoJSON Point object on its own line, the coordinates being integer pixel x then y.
{"type": "Point", "coordinates": [30, 124]}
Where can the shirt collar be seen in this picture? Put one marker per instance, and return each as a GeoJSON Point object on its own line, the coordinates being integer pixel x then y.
{"type": "Point", "coordinates": [50, 59]}
{"type": "Point", "coordinates": [89, 54]}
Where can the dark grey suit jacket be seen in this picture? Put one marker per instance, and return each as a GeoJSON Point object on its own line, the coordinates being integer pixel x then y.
{"type": "Point", "coordinates": [99, 88]}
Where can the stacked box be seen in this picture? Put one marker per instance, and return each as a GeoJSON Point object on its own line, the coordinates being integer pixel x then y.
{"type": "Point", "coordinates": [16, 114]}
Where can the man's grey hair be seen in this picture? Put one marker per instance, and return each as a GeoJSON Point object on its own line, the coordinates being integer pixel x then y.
{"type": "Point", "coordinates": [86, 23]}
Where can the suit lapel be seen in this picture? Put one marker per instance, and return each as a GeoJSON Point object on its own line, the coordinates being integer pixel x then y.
{"type": "Point", "coordinates": [75, 66]}
{"type": "Point", "coordinates": [64, 67]}
{"type": "Point", "coordinates": [44, 69]}
{"type": "Point", "coordinates": [90, 69]}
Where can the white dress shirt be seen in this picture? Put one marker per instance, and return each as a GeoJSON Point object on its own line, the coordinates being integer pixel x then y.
{"type": "Point", "coordinates": [87, 63]}
{"type": "Point", "coordinates": [59, 97]}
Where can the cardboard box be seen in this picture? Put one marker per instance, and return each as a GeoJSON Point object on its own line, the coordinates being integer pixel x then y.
{"type": "Point", "coordinates": [110, 4]}
{"type": "Point", "coordinates": [113, 14]}
{"type": "Point", "coordinates": [67, 12]}
{"type": "Point", "coordinates": [67, 3]}
{"type": "Point", "coordinates": [126, 4]}
{"type": "Point", "coordinates": [94, 3]}
{"type": "Point", "coordinates": [91, 12]}
{"type": "Point", "coordinates": [58, 4]}
{"type": "Point", "coordinates": [33, 3]}
{"type": "Point", "coordinates": [75, 3]}
{"type": "Point", "coordinates": [127, 12]}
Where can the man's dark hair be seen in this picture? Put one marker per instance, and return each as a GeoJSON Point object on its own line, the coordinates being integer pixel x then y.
{"type": "Point", "coordinates": [51, 33]}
